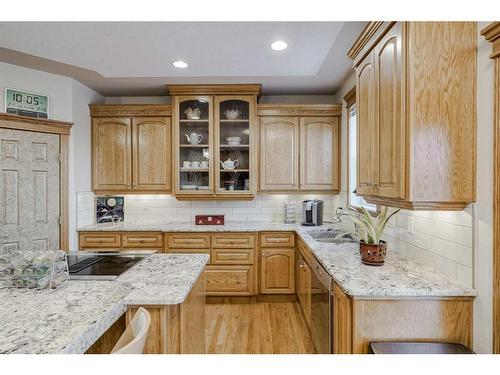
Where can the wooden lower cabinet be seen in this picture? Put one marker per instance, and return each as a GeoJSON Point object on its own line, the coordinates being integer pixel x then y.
{"type": "Point", "coordinates": [303, 286]}
{"type": "Point", "coordinates": [120, 241]}
{"type": "Point", "coordinates": [100, 240]}
{"type": "Point", "coordinates": [174, 329]}
{"type": "Point", "coordinates": [277, 270]}
{"type": "Point", "coordinates": [230, 280]}
{"type": "Point", "coordinates": [342, 321]}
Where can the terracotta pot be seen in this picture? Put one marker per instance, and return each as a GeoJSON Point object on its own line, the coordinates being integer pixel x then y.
{"type": "Point", "coordinates": [371, 254]}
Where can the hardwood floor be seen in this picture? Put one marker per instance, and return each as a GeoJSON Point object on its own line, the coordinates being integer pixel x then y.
{"type": "Point", "coordinates": [256, 328]}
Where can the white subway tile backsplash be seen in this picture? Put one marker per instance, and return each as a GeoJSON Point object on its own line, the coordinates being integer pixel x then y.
{"type": "Point", "coordinates": [442, 240]}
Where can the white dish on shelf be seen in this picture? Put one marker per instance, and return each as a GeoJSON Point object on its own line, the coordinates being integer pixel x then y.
{"type": "Point", "coordinates": [203, 187]}
{"type": "Point", "coordinates": [188, 187]}
{"type": "Point", "coordinates": [234, 143]}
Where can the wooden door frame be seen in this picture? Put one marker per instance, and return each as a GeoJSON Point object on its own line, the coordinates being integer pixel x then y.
{"type": "Point", "coordinates": [492, 34]}
{"type": "Point", "coordinates": [62, 129]}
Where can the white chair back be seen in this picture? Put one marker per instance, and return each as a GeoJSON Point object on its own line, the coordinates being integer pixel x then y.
{"type": "Point", "coordinates": [133, 340]}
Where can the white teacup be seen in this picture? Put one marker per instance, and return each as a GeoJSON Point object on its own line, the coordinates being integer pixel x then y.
{"type": "Point", "coordinates": [186, 164]}
{"type": "Point", "coordinates": [204, 164]}
{"type": "Point", "coordinates": [195, 164]}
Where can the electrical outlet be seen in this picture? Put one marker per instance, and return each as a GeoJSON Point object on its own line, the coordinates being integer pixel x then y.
{"type": "Point", "coordinates": [411, 225]}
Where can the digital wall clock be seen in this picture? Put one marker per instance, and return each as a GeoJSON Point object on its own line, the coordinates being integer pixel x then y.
{"type": "Point", "coordinates": [24, 103]}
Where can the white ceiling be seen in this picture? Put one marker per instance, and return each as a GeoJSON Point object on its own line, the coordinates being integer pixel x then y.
{"type": "Point", "coordinates": [135, 58]}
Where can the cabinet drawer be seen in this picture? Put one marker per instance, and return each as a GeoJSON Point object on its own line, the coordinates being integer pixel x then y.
{"type": "Point", "coordinates": [189, 240]}
{"type": "Point", "coordinates": [230, 256]}
{"type": "Point", "coordinates": [229, 281]}
{"type": "Point", "coordinates": [233, 241]}
{"type": "Point", "coordinates": [142, 239]}
{"type": "Point", "coordinates": [277, 239]}
{"type": "Point", "coordinates": [100, 240]}
{"type": "Point", "coordinates": [190, 251]}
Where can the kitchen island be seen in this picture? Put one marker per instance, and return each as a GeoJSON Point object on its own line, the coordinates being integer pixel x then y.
{"type": "Point", "coordinates": [87, 316]}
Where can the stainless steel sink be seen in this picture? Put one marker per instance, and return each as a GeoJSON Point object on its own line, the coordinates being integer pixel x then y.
{"type": "Point", "coordinates": [330, 236]}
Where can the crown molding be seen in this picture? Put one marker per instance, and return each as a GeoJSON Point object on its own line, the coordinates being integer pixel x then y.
{"type": "Point", "coordinates": [269, 109]}
{"type": "Point", "coordinates": [236, 89]}
{"type": "Point", "coordinates": [10, 121]}
{"type": "Point", "coordinates": [350, 97]}
{"type": "Point", "coordinates": [370, 35]}
{"type": "Point", "coordinates": [130, 110]}
{"type": "Point", "coordinates": [492, 34]}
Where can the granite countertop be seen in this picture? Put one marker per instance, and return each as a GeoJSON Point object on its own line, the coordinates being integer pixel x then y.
{"type": "Point", "coordinates": [398, 278]}
{"type": "Point", "coordinates": [71, 318]}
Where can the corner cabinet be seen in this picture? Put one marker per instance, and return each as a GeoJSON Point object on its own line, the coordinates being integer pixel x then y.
{"type": "Point", "coordinates": [131, 148]}
{"type": "Point", "coordinates": [214, 129]}
{"type": "Point", "coordinates": [416, 145]}
{"type": "Point", "coordinates": [299, 148]}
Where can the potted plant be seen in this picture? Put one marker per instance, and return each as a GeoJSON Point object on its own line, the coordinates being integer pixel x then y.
{"type": "Point", "coordinates": [368, 230]}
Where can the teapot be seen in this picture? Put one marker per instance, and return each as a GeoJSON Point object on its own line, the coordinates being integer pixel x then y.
{"type": "Point", "coordinates": [229, 164]}
{"type": "Point", "coordinates": [193, 114]}
{"type": "Point", "coordinates": [232, 114]}
{"type": "Point", "coordinates": [194, 138]}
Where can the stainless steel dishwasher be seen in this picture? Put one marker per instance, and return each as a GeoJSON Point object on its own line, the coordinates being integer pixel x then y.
{"type": "Point", "coordinates": [321, 319]}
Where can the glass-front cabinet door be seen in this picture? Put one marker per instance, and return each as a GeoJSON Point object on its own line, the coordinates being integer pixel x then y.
{"type": "Point", "coordinates": [193, 144]}
{"type": "Point", "coordinates": [233, 155]}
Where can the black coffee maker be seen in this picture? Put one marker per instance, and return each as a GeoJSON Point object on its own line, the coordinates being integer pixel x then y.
{"type": "Point", "coordinates": [313, 212]}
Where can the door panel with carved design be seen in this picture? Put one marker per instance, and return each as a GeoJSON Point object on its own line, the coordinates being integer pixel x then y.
{"type": "Point", "coordinates": [29, 190]}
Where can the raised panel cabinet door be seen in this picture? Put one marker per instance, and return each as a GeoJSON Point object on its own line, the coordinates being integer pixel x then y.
{"type": "Point", "coordinates": [342, 322]}
{"type": "Point", "coordinates": [277, 268]}
{"type": "Point", "coordinates": [111, 153]}
{"type": "Point", "coordinates": [365, 90]}
{"type": "Point", "coordinates": [390, 148]}
{"type": "Point", "coordinates": [151, 153]}
{"type": "Point", "coordinates": [304, 287]}
{"type": "Point", "coordinates": [279, 159]}
{"type": "Point", "coordinates": [319, 153]}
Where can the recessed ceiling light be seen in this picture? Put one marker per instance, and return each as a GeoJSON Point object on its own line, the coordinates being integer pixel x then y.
{"type": "Point", "coordinates": [180, 64]}
{"type": "Point", "coordinates": [279, 45]}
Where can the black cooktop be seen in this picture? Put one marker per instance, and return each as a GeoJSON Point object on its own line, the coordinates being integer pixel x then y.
{"type": "Point", "coordinates": [101, 266]}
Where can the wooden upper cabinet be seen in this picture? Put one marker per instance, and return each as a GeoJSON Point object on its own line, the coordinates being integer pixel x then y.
{"type": "Point", "coordinates": [279, 162]}
{"type": "Point", "coordinates": [389, 174]}
{"type": "Point", "coordinates": [131, 148]}
{"type": "Point", "coordinates": [416, 114]}
{"type": "Point", "coordinates": [319, 153]}
{"type": "Point", "coordinates": [151, 153]}
{"type": "Point", "coordinates": [365, 98]}
{"type": "Point", "coordinates": [111, 153]}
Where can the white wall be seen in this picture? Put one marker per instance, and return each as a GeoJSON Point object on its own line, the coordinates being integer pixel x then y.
{"type": "Point", "coordinates": [483, 236]}
{"type": "Point", "coordinates": [79, 161]}
{"type": "Point", "coordinates": [348, 84]}
{"type": "Point", "coordinates": [58, 88]}
{"type": "Point", "coordinates": [68, 101]}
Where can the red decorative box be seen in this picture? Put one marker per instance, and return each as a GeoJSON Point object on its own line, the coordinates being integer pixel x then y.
{"type": "Point", "coordinates": [209, 220]}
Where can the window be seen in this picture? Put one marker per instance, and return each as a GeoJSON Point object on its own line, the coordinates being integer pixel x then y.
{"type": "Point", "coordinates": [354, 200]}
